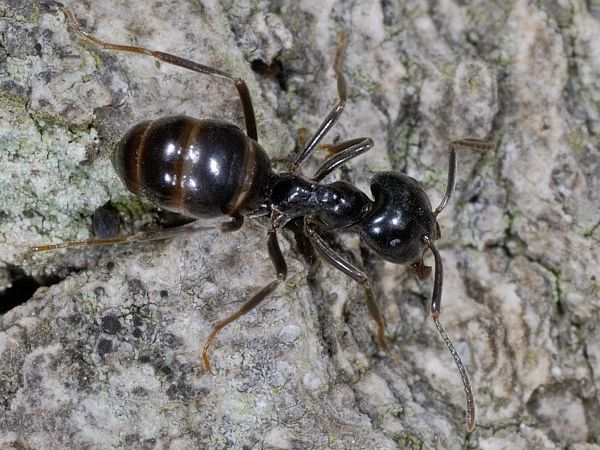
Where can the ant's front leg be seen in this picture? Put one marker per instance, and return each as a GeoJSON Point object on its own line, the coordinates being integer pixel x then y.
{"type": "Point", "coordinates": [334, 113]}
{"type": "Point", "coordinates": [342, 153]}
{"type": "Point", "coordinates": [357, 275]}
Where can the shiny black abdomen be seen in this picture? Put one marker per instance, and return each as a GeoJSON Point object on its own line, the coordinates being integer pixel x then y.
{"type": "Point", "coordinates": [198, 168]}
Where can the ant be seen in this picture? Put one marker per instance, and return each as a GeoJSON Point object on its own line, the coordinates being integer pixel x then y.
{"type": "Point", "coordinates": [203, 168]}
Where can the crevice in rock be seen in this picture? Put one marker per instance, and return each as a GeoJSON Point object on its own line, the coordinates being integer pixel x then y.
{"type": "Point", "coordinates": [23, 287]}
{"type": "Point", "coordinates": [274, 71]}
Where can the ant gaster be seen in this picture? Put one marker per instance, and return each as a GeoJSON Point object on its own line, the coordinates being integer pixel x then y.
{"type": "Point", "coordinates": [208, 168]}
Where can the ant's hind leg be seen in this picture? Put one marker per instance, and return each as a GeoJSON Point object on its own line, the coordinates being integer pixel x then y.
{"type": "Point", "coordinates": [357, 275]}
{"type": "Point", "coordinates": [281, 269]}
{"type": "Point", "coordinates": [240, 85]}
{"type": "Point", "coordinates": [142, 236]}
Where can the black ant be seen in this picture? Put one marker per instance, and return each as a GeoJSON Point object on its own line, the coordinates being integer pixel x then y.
{"type": "Point", "coordinates": [209, 168]}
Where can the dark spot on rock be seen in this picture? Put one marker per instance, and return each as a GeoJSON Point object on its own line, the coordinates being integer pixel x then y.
{"type": "Point", "coordinates": [111, 324]}
{"type": "Point", "coordinates": [104, 347]}
{"type": "Point", "coordinates": [137, 333]}
{"type": "Point", "coordinates": [137, 320]}
{"type": "Point", "coordinates": [105, 221]}
{"type": "Point", "coordinates": [84, 376]}
{"type": "Point", "coordinates": [145, 359]}
{"type": "Point", "coordinates": [45, 76]}
{"type": "Point", "coordinates": [203, 391]}
{"type": "Point", "coordinates": [172, 392]}
{"type": "Point", "coordinates": [75, 319]}
{"type": "Point", "coordinates": [169, 339]}
{"type": "Point", "coordinates": [165, 370]}
{"type": "Point", "coordinates": [164, 294]}
{"type": "Point", "coordinates": [99, 292]}
{"type": "Point", "coordinates": [110, 266]}
{"type": "Point", "coordinates": [131, 439]}
{"type": "Point", "coordinates": [32, 379]}
{"type": "Point", "coordinates": [475, 290]}
{"type": "Point", "coordinates": [140, 391]}
{"type": "Point", "coordinates": [180, 391]}
{"type": "Point", "coordinates": [274, 71]}
{"type": "Point", "coordinates": [136, 287]}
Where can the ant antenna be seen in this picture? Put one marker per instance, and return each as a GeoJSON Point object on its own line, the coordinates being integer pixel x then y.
{"type": "Point", "coordinates": [436, 299]}
{"type": "Point", "coordinates": [475, 144]}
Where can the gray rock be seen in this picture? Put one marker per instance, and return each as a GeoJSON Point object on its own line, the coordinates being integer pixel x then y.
{"type": "Point", "coordinates": [106, 354]}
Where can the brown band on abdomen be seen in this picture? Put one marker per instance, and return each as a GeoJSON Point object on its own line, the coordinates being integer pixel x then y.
{"type": "Point", "coordinates": [241, 193]}
{"type": "Point", "coordinates": [137, 158]}
{"type": "Point", "coordinates": [184, 165]}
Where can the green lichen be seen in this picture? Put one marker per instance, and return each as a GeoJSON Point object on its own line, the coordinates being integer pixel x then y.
{"type": "Point", "coordinates": [590, 229]}
{"type": "Point", "coordinates": [448, 69]}
{"type": "Point", "coordinates": [409, 441]}
{"type": "Point", "coordinates": [436, 178]}
{"type": "Point", "coordinates": [392, 33]}
{"type": "Point", "coordinates": [33, 17]}
{"type": "Point", "coordinates": [133, 205]}
{"type": "Point", "coordinates": [14, 104]}
{"type": "Point", "coordinates": [395, 409]}
{"type": "Point", "coordinates": [473, 83]}
{"type": "Point", "coordinates": [576, 141]}
{"type": "Point", "coordinates": [364, 79]}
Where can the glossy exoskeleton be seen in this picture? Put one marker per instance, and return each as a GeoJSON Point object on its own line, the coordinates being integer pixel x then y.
{"type": "Point", "coordinates": [207, 168]}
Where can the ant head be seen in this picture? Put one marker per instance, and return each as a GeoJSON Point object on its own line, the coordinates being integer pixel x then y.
{"type": "Point", "coordinates": [399, 219]}
{"type": "Point", "coordinates": [400, 226]}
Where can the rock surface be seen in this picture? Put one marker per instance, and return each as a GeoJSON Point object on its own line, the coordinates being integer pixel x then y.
{"type": "Point", "coordinates": [106, 352]}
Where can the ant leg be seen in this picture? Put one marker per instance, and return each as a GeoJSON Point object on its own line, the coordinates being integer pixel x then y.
{"type": "Point", "coordinates": [333, 115]}
{"type": "Point", "coordinates": [436, 298]}
{"type": "Point", "coordinates": [240, 85]}
{"type": "Point", "coordinates": [235, 224]}
{"type": "Point", "coordinates": [301, 139]}
{"type": "Point", "coordinates": [281, 269]}
{"type": "Point", "coordinates": [303, 245]}
{"type": "Point", "coordinates": [153, 235]}
{"type": "Point", "coordinates": [357, 275]}
{"type": "Point", "coordinates": [142, 236]}
{"type": "Point", "coordinates": [453, 145]}
{"type": "Point", "coordinates": [343, 152]}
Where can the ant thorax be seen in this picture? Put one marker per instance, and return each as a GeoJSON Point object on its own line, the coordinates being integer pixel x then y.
{"type": "Point", "coordinates": [332, 206]}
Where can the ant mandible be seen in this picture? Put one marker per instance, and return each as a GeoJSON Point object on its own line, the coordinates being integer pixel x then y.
{"type": "Point", "coordinates": [209, 168]}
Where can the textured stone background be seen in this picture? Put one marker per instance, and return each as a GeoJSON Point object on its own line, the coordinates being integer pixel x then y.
{"type": "Point", "coordinates": [106, 352]}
